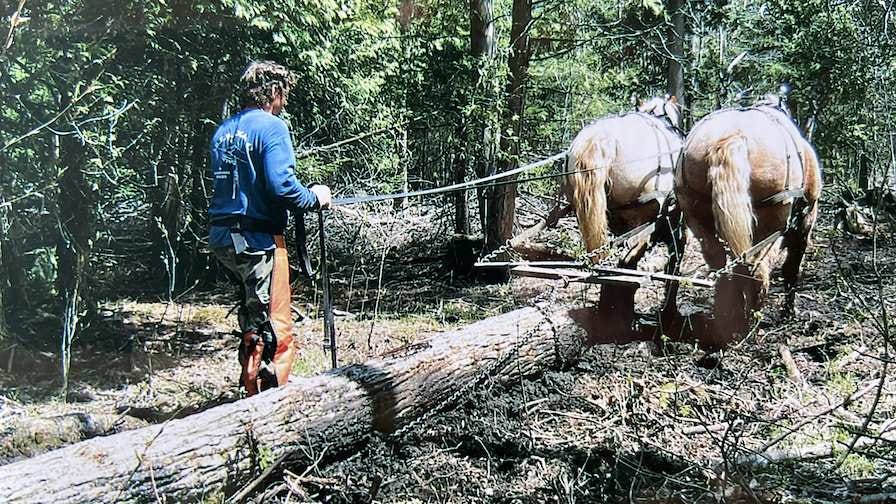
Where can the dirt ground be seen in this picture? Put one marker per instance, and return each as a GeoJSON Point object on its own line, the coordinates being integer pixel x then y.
{"type": "Point", "coordinates": [625, 424]}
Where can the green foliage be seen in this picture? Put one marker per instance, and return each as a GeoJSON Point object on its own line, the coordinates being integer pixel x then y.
{"type": "Point", "coordinates": [143, 84]}
{"type": "Point", "coordinates": [857, 466]}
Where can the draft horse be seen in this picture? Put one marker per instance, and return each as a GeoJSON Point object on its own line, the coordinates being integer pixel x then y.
{"type": "Point", "coordinates": [619, 178]}
{"type": "Point", "coordinates": [745, 174]}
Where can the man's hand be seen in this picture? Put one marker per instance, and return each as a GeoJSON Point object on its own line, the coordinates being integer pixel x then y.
{"type": "Point", "coordinates": [323, 195]}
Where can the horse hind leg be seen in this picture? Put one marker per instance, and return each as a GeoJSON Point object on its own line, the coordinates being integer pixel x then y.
{"type": "Point", "coordinates": [631, 258]}
{"type": "Point", "coordinates": [617, 302]}
{"type": "Point", "coordinates": [730, 308]}
{"type": "Point", "coordinates": [756, 287]}
{"type": "Point", "coordinates": [796, 241]}
{"type": "Point", "coordinates": [712, 249]}
{"type": "Point", "coordinates": [674, 235]}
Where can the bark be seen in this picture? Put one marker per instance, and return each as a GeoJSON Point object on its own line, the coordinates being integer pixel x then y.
{"type": "Point", "coordinates": [461, 209]}
{"type": "Point", "coordinates": [13, 266]}
{"type": "Point", "coordinates": [482, 28]}
{"type": "Point", "coordinates": [502, 203]}
{"type": "Point", "coordinates": [167, 210]}
{"type": "Point", "coordinates": [27, 437]}
{"type": "Point", "coordinates": [216, 452]}
{"type": "Point", "coordinates": [810, 452]}
{"type": "Point", "coordinates": [676, 35]}
{"type": "Point", "coordinates": [4, 232]}
{"type": "Point", "coordinates": [2, 280]}
{"type": "Point", "coordinates": [74, 242]}
{"type": "Point", "coordinates": [482, 48]}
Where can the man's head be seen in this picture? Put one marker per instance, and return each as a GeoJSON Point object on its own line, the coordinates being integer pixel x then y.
{"type": "Point", "coordinates": [265, 85]}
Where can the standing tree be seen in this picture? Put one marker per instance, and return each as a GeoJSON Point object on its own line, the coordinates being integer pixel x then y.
{"type": "Point", "coordinates": [502, 203]}
{"type": "Point", "coordinates": [676, 33]}
{"type": "Point", "coordinates": [75, 239]}
{"type": "Point", "coordinates": [482, 49]}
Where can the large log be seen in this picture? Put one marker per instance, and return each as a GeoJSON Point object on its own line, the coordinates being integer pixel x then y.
{"type": "Point", "coordinates": [212, 454]}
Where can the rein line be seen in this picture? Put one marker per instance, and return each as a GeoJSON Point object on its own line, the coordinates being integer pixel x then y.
{"type": "Point", "coordinates": [488, 181]}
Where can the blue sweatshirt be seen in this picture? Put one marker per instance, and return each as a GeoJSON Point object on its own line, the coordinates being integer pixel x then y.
{"type": "Point", "coordinates": [253, 166]}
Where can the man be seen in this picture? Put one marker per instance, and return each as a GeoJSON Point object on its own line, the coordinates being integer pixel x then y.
{"type": "Point", "coordinates": [253, 162]}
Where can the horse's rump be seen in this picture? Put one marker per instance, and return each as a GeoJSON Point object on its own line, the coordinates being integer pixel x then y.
{"type": "Point", "coordinates": [590, 157]}
{"type": "Point", "coordinates": [729, 175]}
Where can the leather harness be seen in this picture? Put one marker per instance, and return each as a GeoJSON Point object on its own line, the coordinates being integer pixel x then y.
{"type": "Point", "coordinates": [794, 193]}
{"type": "Point", "coordinates": [656, 195]}
{"type": "Point", "coordinates": [797, 195]}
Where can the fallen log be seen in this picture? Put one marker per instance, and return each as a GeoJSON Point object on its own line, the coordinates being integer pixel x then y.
{"type": "Point", "coordinates": [818, 451]}
{"type": "Point", "coordinates": [212, 454]}
{"type": "Point", "coordinates": [25, 436]}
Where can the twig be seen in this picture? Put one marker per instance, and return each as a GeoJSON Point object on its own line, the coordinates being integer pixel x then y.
{"type": "Point", "coordinates": [703, 429]}
{"type": "Point", "coordinates": [252, 485]}
{"type": "Point", "coordinates": [550, 221]}
{"type": "Point", "coordinates": [356, 138]}
{"type": "Point", "coordinates": [821, 450]}
{"type": "Point", "coordinates": [850, 358]}
{"type": "Point", "coordinates": [155, 489]}
{"type": "Point", "coordinates": [13, 23]}
{"type": "Point", "coordinates": [379, 289]}
{"type": "Point", "coordinates": [311, 479]}
{"type": "Point", "coordinates": [797, 427]}
{"type": "Point", "coordinates": [793, 372]}
{"type": "Point", "coordinates": [46, 124]}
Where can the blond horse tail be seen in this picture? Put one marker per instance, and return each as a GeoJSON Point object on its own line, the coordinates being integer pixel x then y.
{"type": "Point", "coordinates": [589, 167]}
{"type": "Point", "coordinates": [732, 206]}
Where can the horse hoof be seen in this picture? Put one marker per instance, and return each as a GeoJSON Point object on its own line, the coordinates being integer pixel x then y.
{"type": "Point", "coordinates": [788, 310]}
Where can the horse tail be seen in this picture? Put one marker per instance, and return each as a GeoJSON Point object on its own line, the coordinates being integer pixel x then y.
{"type": "Point", "coordinates": [589, 167]}
{"type": "Point", "coordinates": [732, 206]}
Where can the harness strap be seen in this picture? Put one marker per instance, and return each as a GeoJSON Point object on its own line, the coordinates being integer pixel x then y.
{"type": "Point", "coordinates": [644, 199]}
{"type": "Point", "coordinates": [657, 195]}
{"type": "Point", "coordinates": [648, 197]}
{"type": "Point", "coordinates": [788, 192]}
{"type": "Point", "coordinates": [301, 247]}
{"type": "Point", "coordinates": [782, 197]}
{"type": "Point", "coordinates": [245, 223]}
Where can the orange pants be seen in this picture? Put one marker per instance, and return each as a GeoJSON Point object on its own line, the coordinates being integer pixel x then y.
{"type": "Point", "coordinates": [267, 349]}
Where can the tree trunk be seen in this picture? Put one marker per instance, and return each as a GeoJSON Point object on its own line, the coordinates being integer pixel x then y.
{"type": "Point", "coordinates": [214, 453]}
{"type": "Point", "coordinates": [13, 268]}
{"type": "Point", "coordinates": [29, 436]}
{"type": "Point", "coordinates": [482, 49]}
{"type": "Point", "coordinates": [502, 203]}
{"type": "Point", "coordinates": [461, 209]}
{"type": "Point", "coordinates": [676, 35]}
{"type": "Point", "coordinates": [3, 230]}
{"type": "Point", "coordinates": [75, 240]}
{"type": "Point", "coordinates": [167, 210]}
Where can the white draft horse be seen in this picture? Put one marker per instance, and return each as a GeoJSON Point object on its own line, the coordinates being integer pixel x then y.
{"type": "Point", "coordinates": [619, 174]}
{"type": "Point", "coordinates": [746, 173]}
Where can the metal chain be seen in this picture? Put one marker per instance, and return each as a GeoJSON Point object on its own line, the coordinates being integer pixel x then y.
{"type": "Point", "coordinates": [585, 258]}
{"type": "Point", "coordinates": [506, 247]}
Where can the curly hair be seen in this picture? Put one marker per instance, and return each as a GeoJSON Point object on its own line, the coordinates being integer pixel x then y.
{"type": "Point", "coordinates": [260, 80]}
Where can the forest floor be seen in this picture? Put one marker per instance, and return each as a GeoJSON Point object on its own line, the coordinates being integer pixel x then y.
{"type": "Point", "coordinates": [624, 424]}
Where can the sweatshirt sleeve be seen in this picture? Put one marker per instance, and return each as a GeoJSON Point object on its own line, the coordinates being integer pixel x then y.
{"type": "Point", "coordinates": [279, 167]}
